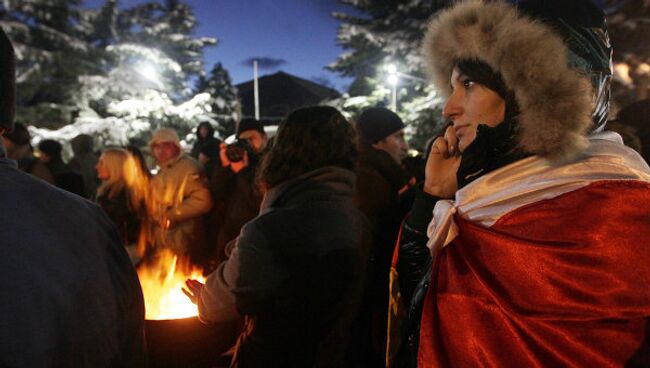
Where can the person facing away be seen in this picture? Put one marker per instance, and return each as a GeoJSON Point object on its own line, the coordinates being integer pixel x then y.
{"type": "Point", "coordinates": [64, 176]}
{"type": "Point", "coordinates": [18, 146]}
{"type": "Point", "coordinates": [70, 296]}
{"type": "Point", "coordinates": [296, 270]}
{"type": "Point", "coordinates": [179, 199]}
{"type": "Point", "coordinates": [83, 161]}
{"type": "Point", "coordinates": [537, 220]}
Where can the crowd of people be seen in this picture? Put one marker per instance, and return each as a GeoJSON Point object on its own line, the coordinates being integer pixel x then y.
{"type": "Point", "coordinates": [519, 242]}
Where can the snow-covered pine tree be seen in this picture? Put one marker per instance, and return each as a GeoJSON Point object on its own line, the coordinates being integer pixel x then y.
{"type": "Point", "coordinates": [51, 51]}
{"type": "Point", "coordinates": [168, 27]}
{"type": "Point", "coordinates": [136, 85]}
{"type": "Point", "coordinates": [223, 99]}
{"type": "Point", "coordinates": [388, 32]}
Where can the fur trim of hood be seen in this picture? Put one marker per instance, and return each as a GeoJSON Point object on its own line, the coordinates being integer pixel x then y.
{"type": "Point", "coordinates": [555, 101]}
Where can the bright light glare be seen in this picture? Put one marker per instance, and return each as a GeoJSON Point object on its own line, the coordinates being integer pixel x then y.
{"type": "Point", "coordinates": [392, 80]}
{"type": "Point", "coordinates": [149, 71]}
{"type": "Point", "coordinates": [391, 69]}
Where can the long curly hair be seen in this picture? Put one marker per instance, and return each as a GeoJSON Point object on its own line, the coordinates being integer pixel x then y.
{"type": "Point", "coordinates": [308, 139]}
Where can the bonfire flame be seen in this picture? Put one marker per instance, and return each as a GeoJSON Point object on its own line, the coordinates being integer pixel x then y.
{"type": "Point", "coordinates": [162, 281]}
{"type": "Point", "coordinates": [163, 274]}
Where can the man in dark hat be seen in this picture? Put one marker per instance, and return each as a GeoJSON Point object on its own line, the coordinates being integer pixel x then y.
{"type": "Point", "coordinates": [381, 183]}
{"type": "Point", "coordinates": [237, 198]}
{"type": "Point", "coordinates": [382, 129]}
{"type": "Point", "coordinates": [70, 296]}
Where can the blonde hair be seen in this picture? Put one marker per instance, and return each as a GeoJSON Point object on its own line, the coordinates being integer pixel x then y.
{"type": "Point", "coordinates": [113, 160]}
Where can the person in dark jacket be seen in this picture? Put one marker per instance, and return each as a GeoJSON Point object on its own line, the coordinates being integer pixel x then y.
{"type": "Point", "coordinates": [382, 184]}
{"type": "Point", "coordinates": [209, 157]}
{"type": "Point", "coordinates": [296, 271]}
{"type": "Point", "coordinates": [236, 195]}
{"type": "Point", "coordinates": [522, 266]}
{"type": "Point", "coordinates": [83, 161]}
{"type": "Point", "coordinates": [70, 296]}
{"type": "Point", "coordinates": [64, 176]}
{"type": "Point", "coordinates": [636, 117]}
{"type": "Point", "coordinates": [204, 136]}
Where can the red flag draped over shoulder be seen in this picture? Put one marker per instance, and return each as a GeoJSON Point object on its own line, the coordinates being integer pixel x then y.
{"type": "Point", "coordinates": [559, 281]}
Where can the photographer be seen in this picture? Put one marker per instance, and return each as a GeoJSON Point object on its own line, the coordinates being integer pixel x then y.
{"type": "Point", "coordinates": [237, 199]}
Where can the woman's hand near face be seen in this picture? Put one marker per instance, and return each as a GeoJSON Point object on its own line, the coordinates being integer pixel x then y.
{"type": "Point", "coordinates": [442, 166]}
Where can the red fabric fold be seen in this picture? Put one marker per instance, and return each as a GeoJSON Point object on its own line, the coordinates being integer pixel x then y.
{"type": "Point", "coordinates": [560, 282]}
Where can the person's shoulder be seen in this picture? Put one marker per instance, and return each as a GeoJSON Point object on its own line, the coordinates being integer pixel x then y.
{"type": "Point", "coordinates": [35, 196]}
{"type": "Point", "coordinates": [186, 162]}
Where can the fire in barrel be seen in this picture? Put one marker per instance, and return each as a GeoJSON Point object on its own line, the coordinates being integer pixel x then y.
{"type": "Point", "coordinates": [162, 280]}
{"type": "Point", "coordinates": [175, 336]}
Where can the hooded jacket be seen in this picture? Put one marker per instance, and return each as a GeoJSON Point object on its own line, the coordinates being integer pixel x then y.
{"type": "Point", "coordinates": [295, 273]}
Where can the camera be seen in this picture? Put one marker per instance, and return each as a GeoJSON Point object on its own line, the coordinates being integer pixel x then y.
{"type": "Point", "coordinates": [235, 151]}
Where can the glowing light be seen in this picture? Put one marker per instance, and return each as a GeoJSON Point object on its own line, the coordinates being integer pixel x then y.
{"type": "Point", "coordinates": [148, 71]}
{"type": "Point", "coordinates": [392, 80]}
{"type": "Point", "coordinates": [391, 69]}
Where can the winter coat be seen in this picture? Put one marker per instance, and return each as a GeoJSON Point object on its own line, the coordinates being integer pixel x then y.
{"type": "Point", "coordinates": [70, 296]}
{"type": "Point", "coordinates": [180, 198]}
{"type": "Point", "coordinates": [379, 181]}
{"type": "Point", "coordinates": [85, 164]}
{"type": "Point", "coordinates": [296, 273]}
{"type": "Point", "coordinates": [202, 142]}
{"type": "Point", "coordinates": [120, 210]}
{"type": "Point", "coordinates": [32, 165]}
{"type": "Point", "coordinates": [236, 201]}
{"type": "Point", "coordinates": [66, 178]}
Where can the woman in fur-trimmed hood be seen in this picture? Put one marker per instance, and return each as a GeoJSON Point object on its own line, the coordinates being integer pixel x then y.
{"type": "Point", "coordinates": [534, 218]}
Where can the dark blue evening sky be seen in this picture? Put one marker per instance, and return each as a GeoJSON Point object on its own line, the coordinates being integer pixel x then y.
{"type": "Point", "coordinates": [296, 36]}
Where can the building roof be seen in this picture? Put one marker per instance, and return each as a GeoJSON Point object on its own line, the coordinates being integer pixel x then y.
{"type": "Point", "coordinates": [281, 93]}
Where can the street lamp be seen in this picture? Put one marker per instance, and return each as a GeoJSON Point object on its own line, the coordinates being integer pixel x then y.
{"type": "Point", "coordinates": [393, 80]}
{"type": "Point", "coordinates": [256, 91]}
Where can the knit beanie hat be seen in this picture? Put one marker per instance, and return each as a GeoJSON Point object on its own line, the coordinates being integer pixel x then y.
{"type": "Point", "coordinates": [377, 123]}
{"type": "Point", "coordinates": [250, 124]}
{"type": "Point", "coordinates": [165, 135]}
